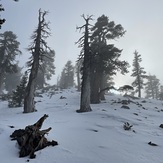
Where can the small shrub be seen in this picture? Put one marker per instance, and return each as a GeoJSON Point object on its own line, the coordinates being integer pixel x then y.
{"type": "Point", "coordinates": [127, 126]}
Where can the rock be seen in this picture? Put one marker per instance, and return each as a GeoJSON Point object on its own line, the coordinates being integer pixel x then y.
{"type": "Point", "coordinates": [152, 144]}
{"type": "Point", "coordinates": [125, 107]}
{"type": "Point", "coordinates": [161, 126]}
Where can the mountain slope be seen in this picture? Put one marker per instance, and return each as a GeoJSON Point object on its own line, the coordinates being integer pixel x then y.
{"type": "Point", "coordinates": [93, 137]}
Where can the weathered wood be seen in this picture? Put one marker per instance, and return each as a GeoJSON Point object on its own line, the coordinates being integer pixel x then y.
{"type": "Point", "coordinates": [32, 139]}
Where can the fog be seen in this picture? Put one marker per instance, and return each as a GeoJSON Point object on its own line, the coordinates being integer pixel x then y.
{"type": "Point", "coordinates": [142, 20]}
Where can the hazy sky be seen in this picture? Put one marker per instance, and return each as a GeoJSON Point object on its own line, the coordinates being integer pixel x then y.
{"type": "Point", "coordinates": [142, 19]}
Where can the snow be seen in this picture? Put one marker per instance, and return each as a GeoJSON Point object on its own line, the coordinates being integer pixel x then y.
{"type": "Point", "coordinates": [93, 137]}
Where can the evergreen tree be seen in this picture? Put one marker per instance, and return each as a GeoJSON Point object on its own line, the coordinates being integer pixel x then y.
{"type": "Point", "coordinates": [152, 88]}
{"type": "Point", "coordinates": [38, 49]}
{"type": "Point", "coordinates": [138, 73]}
{"type": "Point", "coordinates": [156, 87]}
{"type": "Point", "coordinates": [86, 70]}
{"type": "Point", "coordinates": [67, 76]}
{"type": "Point", "coordinates": [12, 80]}
{"type": "Point", "coordinates": [69, 71]}
{"type": "Point", "coordinates": [106, 84]}
{"type": "Point", "coordinates": [105, 57]}
{"type": "Point", "coordinates": [9, 49]}
{"type": "Point", "coordinates": [62, 81]}
{"type": "Point", "coordinates": [46, 69]}
{"type": "Point", "coordinates": [161, 93]}
{"type": "Point", "coordinates": [18, 95]}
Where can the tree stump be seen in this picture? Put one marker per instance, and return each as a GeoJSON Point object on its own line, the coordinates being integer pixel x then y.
{"type": "Point", "coordinates": [32, 139]}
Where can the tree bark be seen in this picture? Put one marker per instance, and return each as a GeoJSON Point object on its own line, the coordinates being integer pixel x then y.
{"type": "Point", "coordinates": [95, 89]}
{"type": "Point", "coordinates": [85, 95]}
{"type": "Point", "coordinates": [102, 86]}
{"type": "Point", "coordinates": [85, 90]}
{"type": "Point", "coordinates": [1, 81]}
{"type": "Point", "coordinates": [78, 79]}
{"type": "Point", "coordinates": [29, 103]}
{"type": "Point", "coordinates": [139, 87]}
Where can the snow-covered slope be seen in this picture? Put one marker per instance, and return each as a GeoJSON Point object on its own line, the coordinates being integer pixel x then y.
{"type": "Point", "coordinates": [94, 137]}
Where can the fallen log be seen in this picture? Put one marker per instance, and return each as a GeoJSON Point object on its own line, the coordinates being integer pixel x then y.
{"type": "Point", "coordinates": [32, 139]}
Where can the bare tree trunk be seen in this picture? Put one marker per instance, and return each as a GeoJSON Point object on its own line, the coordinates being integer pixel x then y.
{"type": "Point", "coordinates": [1, 81]}
{"type": "Point", "coordinates": [85, 94]}
{"type": "Point", "coordinates": [95, 89]}
{"type": "Point", "coordinates": [85, 90]}
{"type": "Point", "coordinates": [102, 86]}
{"type": "Point", "coordinates": [78, 79]}
{"type": "Point", "coordinates": [29, 103]}
{"type": "Point", "coordinates": [139, 87]}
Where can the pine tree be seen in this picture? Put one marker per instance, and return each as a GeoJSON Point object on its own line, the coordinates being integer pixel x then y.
{"type": "Point", "coordinates": [18, 95]}
{"type": "Point", "coordinates": [46, 69]}
{"type": "Point", "coordinates": [152, 88]}
{"type": "Point", "coordinates": [138, 73]}
{"type": "Point", "coordinates": [156, 87]}
{"type": "Point", "coordinates": [105, 57]}
{"type": "Point", "coordinates": [38, 49]}
{"type": "Point", "coordinates": [67, 76]}
{"type": "Point", "coordinates": [9, 49]}
{"type": "Point", "coordinates": [69, 72]}
{"type": "Point", "coordinates": [161, 93]}
{"type": "Point", "coordinates": [12, 80]}
{"type": "Point", "coordinates": [107, 82]}
{"type": "Point", "coordinates": [86, 71]}
{"type": "Point", "coordinates": [62, 81]}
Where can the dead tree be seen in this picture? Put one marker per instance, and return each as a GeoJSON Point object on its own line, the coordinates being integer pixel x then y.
{"type": "Point", "coordinates": [32, 139]}
{"type": "Point", "coordinates": [85, 88]}
{"type": "Point", "coordinates": [38, 48]}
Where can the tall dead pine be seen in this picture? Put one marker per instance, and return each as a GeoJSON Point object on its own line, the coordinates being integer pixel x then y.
{"type": "Point", "coordinates": [85, 88]}
{"type": "Point", "coordinates": [38, 48]}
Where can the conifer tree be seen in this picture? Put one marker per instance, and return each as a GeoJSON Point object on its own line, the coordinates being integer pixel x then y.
{"type": "Point", "coordinates": [86, 55]}
{"type": "Point", "coordinates": [62, 81]}
{"type": "Point", "coordinates": [152, 88]}
{"type": "Point", "coordinates": [18, 95]}
{"type": "Point", "coordinates": [12, 80]}
{"type": "Point", "coordinates": [105, 57]}
{"type": "Point", "coordinates": [161, 92]}
{"type": "Point", "coordinates": [9, 49]}
{"type": "Point", "coordinates": [38, 49]}
{"type": "Point", "coordinates": [46, 69]}
{"type": "Point", "coordinates": [138, 73]}
{"type": "Point", "coordinates": [67, 76]}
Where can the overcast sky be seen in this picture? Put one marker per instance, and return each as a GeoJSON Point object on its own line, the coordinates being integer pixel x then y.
{"type": "Point", "coordinates": [142, 20]}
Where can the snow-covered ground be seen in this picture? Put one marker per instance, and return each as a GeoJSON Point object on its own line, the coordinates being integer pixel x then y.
{"type": "Point", "coordinates": [93, 137]}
